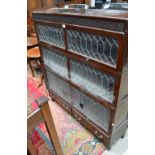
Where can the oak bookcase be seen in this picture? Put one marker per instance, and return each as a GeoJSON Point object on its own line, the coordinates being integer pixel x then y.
{"type": "Point", "coordinates": [84, 54]}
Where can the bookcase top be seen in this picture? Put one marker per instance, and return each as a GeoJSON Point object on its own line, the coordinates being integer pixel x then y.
{"type": "Point", "coordinates": [93, 13]}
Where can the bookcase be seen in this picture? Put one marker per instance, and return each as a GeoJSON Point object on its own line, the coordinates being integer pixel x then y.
{"type": "Point", "coordinates": [85, 54]}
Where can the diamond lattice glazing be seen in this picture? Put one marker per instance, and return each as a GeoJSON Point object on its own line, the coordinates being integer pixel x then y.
{"type": "Point", "coordinates": [56, 62]}
{"type": "Point", "coordinates": [59, 86]}
{"type": "Point", "coordinates": [96, 82]}
{"type": "Point", "coordinates": [90, 108]}
{"type": "Point", "coordinates": [102, 48]}
{"type": "Point", "coordinates": [51, 35]}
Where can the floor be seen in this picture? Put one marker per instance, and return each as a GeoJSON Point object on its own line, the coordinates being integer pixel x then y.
{"type": "Point", "coordinates": [119, 148]}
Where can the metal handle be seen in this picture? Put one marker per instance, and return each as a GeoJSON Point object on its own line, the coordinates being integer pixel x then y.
{"type": "Point", "coordinates": [100, 137]}
{"type": "Point", "coordinates": [65, 106]}
{"type": "Point", "coordinates": [63, 25]}
{"type": "Point", "coordinates": [79, 118]}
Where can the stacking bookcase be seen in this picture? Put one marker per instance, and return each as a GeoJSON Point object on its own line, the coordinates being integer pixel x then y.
{"type": "Point", "coordinates": [84, 54]}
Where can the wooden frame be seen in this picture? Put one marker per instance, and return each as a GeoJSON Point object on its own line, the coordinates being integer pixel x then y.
{"type": "Point", "coordinates": [43, 114]}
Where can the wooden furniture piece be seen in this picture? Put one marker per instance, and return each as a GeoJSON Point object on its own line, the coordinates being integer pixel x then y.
{"type": "Point", "coordinates": [32, 42]}
{"type": "Point", "coordinates": [30, 27]}
{"type": "Point", "coordinates": [33, 55]}
{"type": "Point", "coordinates": [33, 35]}
{"type": "Point", "coordinates": [84, 55]}
{"type": "Point", "coordinates": [43, 114]}
{"type": "Point", "coordinates": [29, 30]}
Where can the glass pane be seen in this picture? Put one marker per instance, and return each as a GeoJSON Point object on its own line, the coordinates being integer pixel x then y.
{"type": "Point", "coordinates": [95, 46]}
{"type": "Point", "coordinates": [93, 110]}
{"type": "Point", "coordinates": [51, 35]}
{"type": "Point", "coordinates": [59, 86]}
{"type": "Point", "coordinates": [56, 62]}
{"type": "Point", "coordinates": [98, 83]}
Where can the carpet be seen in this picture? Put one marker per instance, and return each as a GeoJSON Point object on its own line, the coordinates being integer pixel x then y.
{"type": "Point", "coordinates": [74, 138]}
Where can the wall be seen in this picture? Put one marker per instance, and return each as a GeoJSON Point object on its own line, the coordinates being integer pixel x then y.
{"type": "Point", "coordinates": [36, 4]}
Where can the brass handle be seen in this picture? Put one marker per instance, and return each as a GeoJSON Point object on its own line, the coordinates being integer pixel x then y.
{"type": "Point", "coordinates": [79, 118]}
{"type": "Point", "coordinates": [65, 106]}
{"type": "Point", "coordinates": [99, 136]}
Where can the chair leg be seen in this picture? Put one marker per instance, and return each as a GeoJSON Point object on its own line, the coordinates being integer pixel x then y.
{"type": "Point", "coordinates": [29, 62]}
{"type": "Point", "coordinates": [30, 146]}
{"type": "Point", "coordinates": [42, 74]}
{"type": "Point", "coordinates": [49, 122]}
{"type": "Point", "coordinates": [42, 77]}
{"type": "Point", "coordinates": [28, 152]}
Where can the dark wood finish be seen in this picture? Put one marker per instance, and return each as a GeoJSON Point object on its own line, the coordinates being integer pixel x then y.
{"type": "Point", "coordinates": [48, 23]}
{"type": "Point", "coordinates": [102, 21]}
{"type": "Point", "coordinates": [115, 15]}
{"type": "Point", "coordinates": [43, 114]}
{"type": "Point", "coordinates": [97, 31]}
{"type": "Point", "coordinates": [108, 23]}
